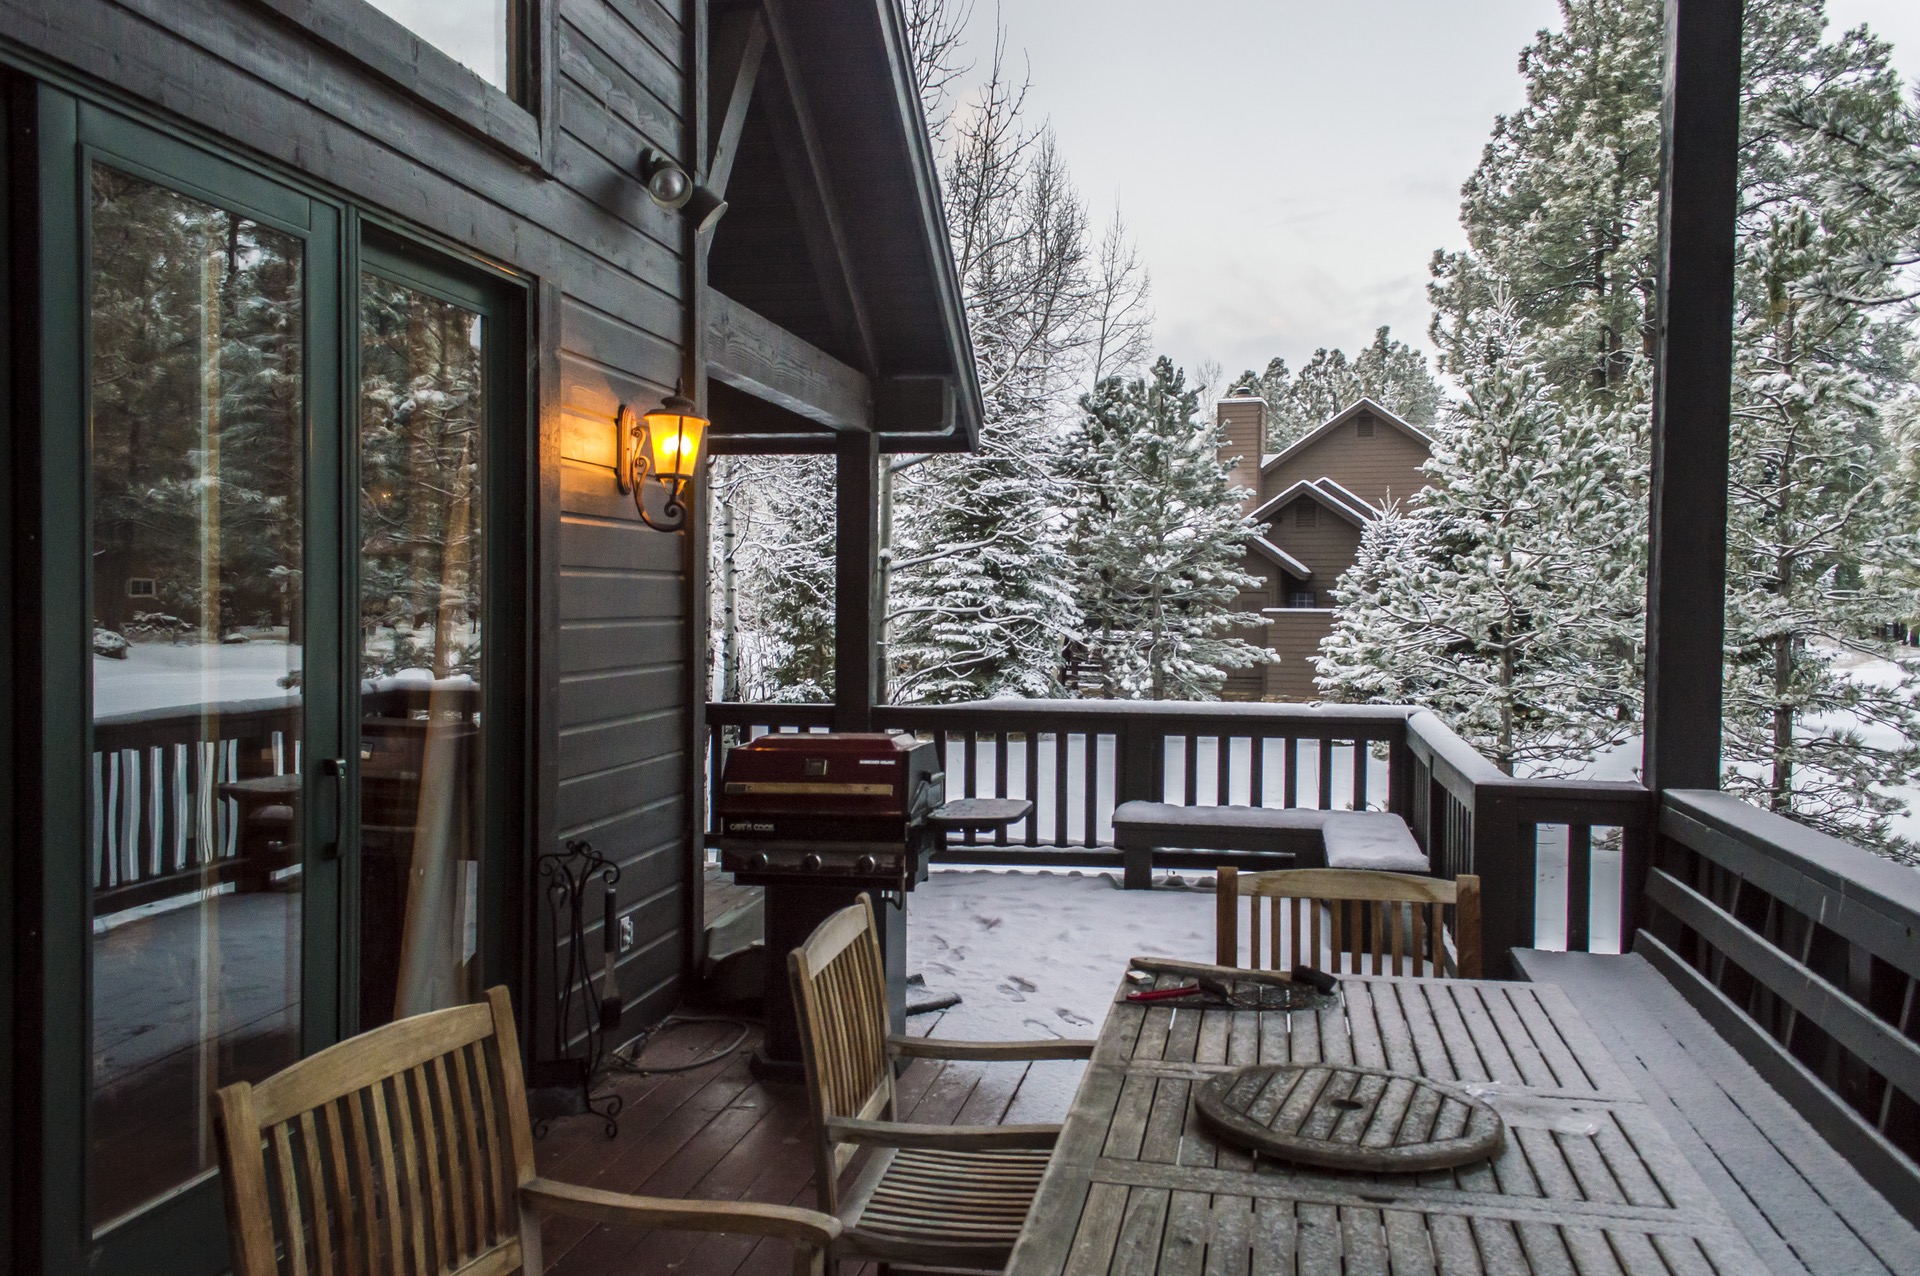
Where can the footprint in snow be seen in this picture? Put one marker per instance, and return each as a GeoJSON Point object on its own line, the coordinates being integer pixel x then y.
{"type": "Point", "coordinates": [1024, 985]}
{"type": "Point", "coordinates": [1078, 1021]}
{"type": "Point", "coordinates": [987, 923]}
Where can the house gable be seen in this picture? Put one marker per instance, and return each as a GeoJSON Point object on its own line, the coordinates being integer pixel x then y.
{"type": "Point", "coordinates": [1367, 450]}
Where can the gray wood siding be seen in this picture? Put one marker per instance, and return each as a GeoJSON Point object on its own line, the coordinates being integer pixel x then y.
{"type": "Point", "coordinates": [245, 81]}
{"type": "Point", "coordinates": [1387, 464]}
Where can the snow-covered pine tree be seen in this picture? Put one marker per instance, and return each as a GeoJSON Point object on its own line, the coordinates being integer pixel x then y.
{"type": "Point", "coordinates": [1391, 373]}
{"type": "Point", "coordinates": [1816, 527]}
{"type": "Point", "coordinates": [771, 573]}
{"type": "Point", "coordinates": [1158, 538]}
{"type": "Point", "coordinates": [1560, 220]}
{"type": "Point", "coordinates": [1481, 601]}
{"type": "Point", "coordinates": [981, 600]}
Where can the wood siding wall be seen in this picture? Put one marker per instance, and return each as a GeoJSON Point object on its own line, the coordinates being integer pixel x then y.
{"type": "Point", "coordinates": [609, 266]}
{"type": "Point", "coordinates": [1251, 684]}
{"type": "Point", "coordinates": [1243, 433]}
{"type": "Point", "coordinates": [1295, 635]}
{"type": "Point", "coordinates": [1328, 547]}
{"type": "Point", "coordinates": [1385, 465]}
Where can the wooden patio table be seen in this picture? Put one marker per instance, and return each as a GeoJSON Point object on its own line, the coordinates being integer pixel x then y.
{"type": "Point", "coordinates": [1587, 1182]}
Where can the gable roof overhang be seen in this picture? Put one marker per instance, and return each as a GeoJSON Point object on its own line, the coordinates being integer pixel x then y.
{"type": "Point", "coordinates": [1339, 419]}
{"type": "Point", "coordinates": [1280, 557]}
{"type": "Point", "coordinates": [832, 303]}
{"type": "Point", "coordinates": [1312, 489]}
{"type": "Point", "coordinates": [1340, 492]}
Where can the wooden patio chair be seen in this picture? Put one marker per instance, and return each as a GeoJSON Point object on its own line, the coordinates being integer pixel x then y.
{"type": "Point", "coordinates": [1396, 918]}
{"type": "Point", "coordinates": [949, 1197]}
{"type": "Point", "coordinates": [408, 1149]}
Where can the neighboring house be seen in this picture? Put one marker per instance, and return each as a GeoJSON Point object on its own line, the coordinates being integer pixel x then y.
{"type": "Point", "coordinates": [1312, 500]}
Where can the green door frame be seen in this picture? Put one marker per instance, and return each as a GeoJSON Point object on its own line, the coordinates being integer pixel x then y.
{"type": "Point", "coordinates": [186, 1233]}
{"type": "Point", "coordinates": [501, 301]}
{"type": "Point", "coordinates": [46, 712]}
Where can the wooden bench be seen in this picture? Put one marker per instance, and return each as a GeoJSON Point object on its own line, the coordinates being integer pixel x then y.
{"type": "Point", "coordinates": [1258, 837]}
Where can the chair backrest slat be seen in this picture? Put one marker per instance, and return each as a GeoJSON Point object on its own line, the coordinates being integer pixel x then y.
{"type": "Point", "coordinates": [401, 1151]}
{"type": "Point", "coordinates": [839, 995]}
{"type": "Point", "coordinates": [1377, 923]}
{"type": "Point", "coordinates": [316, 1189]}
{"type": "Point", "coordinates": [288, 1182]}
{"type": "Point", "coordinates": [430, 1158]}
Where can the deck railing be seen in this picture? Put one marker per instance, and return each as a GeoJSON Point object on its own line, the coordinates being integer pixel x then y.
{"type": "Point", "coordinates": [1536, 844]}
{"type": "Point", "coordinates": [1804, 951]}
{"type": "Point", "coordinates": [161, 826]}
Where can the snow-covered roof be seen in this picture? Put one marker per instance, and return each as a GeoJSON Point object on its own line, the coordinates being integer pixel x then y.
{"type": "Point", "coordinates": [1361, 505]}
{"type": "Point", "coordinates": [1333, 423]}
{"type": "Point", "coordinates": [1280, 557]}
{"type": "Point", "coordinates": [1306, 487]}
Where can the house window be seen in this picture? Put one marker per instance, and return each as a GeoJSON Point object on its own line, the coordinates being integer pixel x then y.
{"type": "Point", "coordinates": [1305, 514]}
{"type": "Point", "coordinates": [1302, 598]}
{"type": "Point", "coordinates": [485, 36]}
{"type": "Point", "coordinates": [141, 587]}
{"type": "Point", "coordinates": [1363, 428]}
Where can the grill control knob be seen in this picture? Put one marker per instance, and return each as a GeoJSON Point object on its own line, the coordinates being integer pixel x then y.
{"type": "Point", "coordinates": [760, 863]}
{"type": "Point", "coordinates": [811, 862]}
{"type": "Point", "coordinates": [866, 864]}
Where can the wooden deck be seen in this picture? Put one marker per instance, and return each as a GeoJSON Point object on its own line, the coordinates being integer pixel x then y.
{"type": "Point", "coordinates": [1806, 1209]}
{"type": "Point", "coordinates": [718, 1134]}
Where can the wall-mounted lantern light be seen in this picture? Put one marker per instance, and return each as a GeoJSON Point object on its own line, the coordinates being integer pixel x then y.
{"type": "Point", "coordinates": [665, 442]}
{"type": "Point", "coordinates": [673, 189]}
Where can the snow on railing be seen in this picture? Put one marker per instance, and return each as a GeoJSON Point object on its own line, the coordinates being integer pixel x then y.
{"type": "Point", "coordinates": [1554, 856]}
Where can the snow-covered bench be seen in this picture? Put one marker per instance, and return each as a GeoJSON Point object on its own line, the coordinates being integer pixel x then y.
{"type": "Point", "coordinates": [1259, 837]}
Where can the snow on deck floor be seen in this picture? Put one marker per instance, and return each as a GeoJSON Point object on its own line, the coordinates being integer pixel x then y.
{"type": "Point", "coordinates": [1038, 954]}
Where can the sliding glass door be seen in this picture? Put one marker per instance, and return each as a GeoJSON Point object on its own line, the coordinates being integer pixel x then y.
{"type": "Point", "coordinates": [280, 484]}
{"type": "Point", "coordinates": [434, 623]}
{"type": "Point", "coordinates": [210, 372]}
{"type": "Point", "coordinates": [198, 354]}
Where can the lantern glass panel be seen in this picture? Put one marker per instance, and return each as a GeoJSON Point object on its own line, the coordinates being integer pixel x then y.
{"type": "Point", "coordinates": [675, 440]}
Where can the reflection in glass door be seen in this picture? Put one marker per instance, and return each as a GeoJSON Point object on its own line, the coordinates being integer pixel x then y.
{"type": "Point", "coordinates": [423, 817]}
{"type": "Point", "coordinates": [197, 382]}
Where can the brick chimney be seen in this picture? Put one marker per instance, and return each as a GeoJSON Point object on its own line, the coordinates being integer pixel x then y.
{"type": "Point", "coordinates": [1243, 433]}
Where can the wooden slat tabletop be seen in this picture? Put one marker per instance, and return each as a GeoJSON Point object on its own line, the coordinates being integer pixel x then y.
{"type": "Point", "coordinates": [1588, 1181]}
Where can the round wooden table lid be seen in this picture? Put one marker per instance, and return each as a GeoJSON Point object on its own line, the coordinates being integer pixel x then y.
{"type": "Point", "coordinates": [1341, 1117]}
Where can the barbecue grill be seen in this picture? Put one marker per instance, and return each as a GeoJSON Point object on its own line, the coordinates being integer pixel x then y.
{"type": "Point", "coordinates": [816, 819]}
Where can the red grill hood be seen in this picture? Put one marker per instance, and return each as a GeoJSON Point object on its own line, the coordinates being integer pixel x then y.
{"type": "Point", "coordinates": [828, 788]}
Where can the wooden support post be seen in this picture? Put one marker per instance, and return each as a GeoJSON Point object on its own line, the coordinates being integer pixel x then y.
{"type": "Point", "coordinates": [1503, 852]}
{"type": "Point", "coordinates": [1693, 371]}
{"type": "Point", "coordinates": [856, 575]}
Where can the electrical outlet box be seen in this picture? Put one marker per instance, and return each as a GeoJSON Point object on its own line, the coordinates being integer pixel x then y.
{"type": "Point", "coordinates": [626, 933]}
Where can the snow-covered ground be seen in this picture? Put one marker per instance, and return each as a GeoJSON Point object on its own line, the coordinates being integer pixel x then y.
{"type": "Point", "coordinates": [1039, 954]}
{"type": "Point", "coordinates": [162, 675]}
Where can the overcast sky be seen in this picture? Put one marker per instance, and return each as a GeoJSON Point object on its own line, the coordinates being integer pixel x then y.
{"type": "Point", "coordinates": [1289, 166]}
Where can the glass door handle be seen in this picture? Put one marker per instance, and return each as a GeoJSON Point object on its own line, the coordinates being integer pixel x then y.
{"type": "Point", "coordinates": [335, 769]}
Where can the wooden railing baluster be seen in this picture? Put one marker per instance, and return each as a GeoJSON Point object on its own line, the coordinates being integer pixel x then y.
{"type": "Point", "coordinates": [1579, 887]}
{"type": "Point", "coordinates": [1062, 742]}
{"type": "Point", "coordinates": [1032, 794]}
